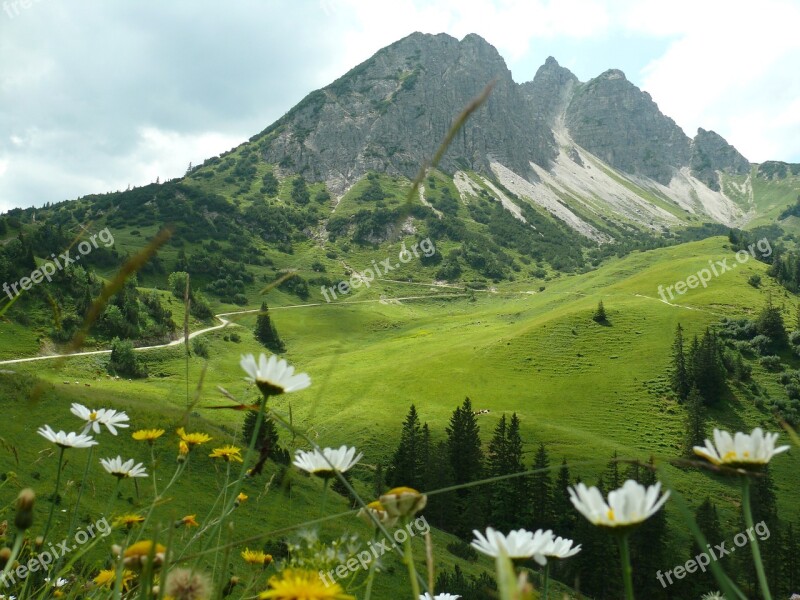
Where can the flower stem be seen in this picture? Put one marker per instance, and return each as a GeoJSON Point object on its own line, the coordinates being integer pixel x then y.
{"type": "Point", "coordinates": [112, 498]}
{"type": "Point", "coordinates": [627, 570]}
{"type": "Point", "coordinates": [237, 484]}
{"type": "Point", "coordinates": [546, 585]}
{"type": "Point", "coordinates": [324, 496]}
{"type": "Point", "coordinates": [748, 519]}
{"type": "Point", "coordinates": [14, 552]}
{"type": "Point", "coordinates": [409, 560]}
{"type": "Point", "coordinates": [55, 493]}
{"type": "Point", "coordinates": [370, 577]}
{"type": "Point", "coordinates": [84, 482]}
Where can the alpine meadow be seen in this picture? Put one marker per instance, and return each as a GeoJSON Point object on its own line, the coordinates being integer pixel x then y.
{"type": "Point", "coordinates": [432, 334]}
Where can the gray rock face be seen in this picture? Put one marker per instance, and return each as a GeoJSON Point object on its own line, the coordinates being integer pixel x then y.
{"type": "Point", "coordinates": [711, 153]}
{"type": "Point", "coordinates": [618, 122]}
{"type": "Point", "coordinates": [550, 90]}
{"type": "Point", "coordinates": [391, 112]}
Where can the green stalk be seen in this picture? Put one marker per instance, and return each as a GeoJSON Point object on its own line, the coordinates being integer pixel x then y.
{"type": "Point", "coordinates": [748, 519]}
{"type": "Point", "coordinates": [80, 493]}
{"type": "Point", "coordinates": [14, 552]}
{"type": "Point", "coordinates": [627, 570]}
{"type": "Point", "coordinates": [237, 485]}
{"type": "Point", "coordinates": [179, 469]}
{"type": "Point", "coordinates": [408, 557]}
{"type": "Point", "coordinates": [324, 496]}
{"type": "Point", "coordinates": [113, 497]}
{"type": "Point", "coordinates": [546, 585]}
{"type": "Point", "coordinates": [219, 533]}
{"type": "Point", "coordinates": [55, 493]}
{"type": "Point", "coordinates": [370, 577]}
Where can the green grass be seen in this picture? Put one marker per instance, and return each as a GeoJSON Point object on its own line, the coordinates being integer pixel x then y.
{"type": "Point", "coordinates": [583, 389]}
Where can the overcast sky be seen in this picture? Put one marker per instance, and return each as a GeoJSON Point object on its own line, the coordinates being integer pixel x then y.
{"type": "Point", "coordinates": [96, 95]}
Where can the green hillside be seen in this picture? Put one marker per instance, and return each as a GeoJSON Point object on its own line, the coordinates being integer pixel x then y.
{"type": "Point", "coordinates": [584, 389]}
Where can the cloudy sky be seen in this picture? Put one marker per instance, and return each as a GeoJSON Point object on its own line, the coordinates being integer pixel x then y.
{"type": "Point", "coordinates": [96, 95]}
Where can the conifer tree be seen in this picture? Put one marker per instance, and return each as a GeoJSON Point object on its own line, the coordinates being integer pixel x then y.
{"type": "Point", "coordinates": [519, 485]}
{"type": "Point", "coordinates": [708, 522]}
{"type": "Point", "coordinates": [266, 333]}
{"type": "Point", "coordinates": [464, 444]}
{"type": "Point", "coordinates": [541, 491]}
{"type": "Point", "coordinates": [679, 375]}
{"type": "Point", "coordinates": [439, 474]}
{"type": "Point", "coordinates": [564, 511]}
{"type": "Point", "coordinates": [268, 440]}
{"type": "Point", "coordinates": [505, 458]}
{"type": "Point", "coordinates": [466, 462]}
{"type": "Point", "coordinates": [406, 467]}
{"type": "Point", "coordinates": [770, 323]}
{"type": "Point", "coordinates": [648, 543]}
{"type": "Point", "coordinates": [695, 424]}
{"type": "Point", "coordinates": [600, 314]}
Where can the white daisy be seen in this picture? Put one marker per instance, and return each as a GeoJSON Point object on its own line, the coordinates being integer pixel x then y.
{"type": "Point", "coordinates": [66, 440]}
{"type": "Point", "coordinates": [561, 548]}
{"type": "Point", "coordinates": [740, 450]}
{"type": "Point", "coordinates": [520, 543]}
{"type": "Point", "coordinates": [120, 469]}
{"type": "Point", "coordinates": [630, 505]}
{"type": "Point", "coordinates": [273, 376]}
{"type": "Point", "coordinates": [715, 596]}
{"type": "Point", "coordinates": [103, 416]}
{"type": "Point", "coordinates": [427, 596]}
{"type": "Point", "coordinates": [325, 464]}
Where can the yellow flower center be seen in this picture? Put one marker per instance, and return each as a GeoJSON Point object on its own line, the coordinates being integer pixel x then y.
{"type": "Point", "coordinates": [93, 415]}
{"type": "Point", "coordinates": [731, 454]}
{"type": "Point", "coordinates": [610, 514]}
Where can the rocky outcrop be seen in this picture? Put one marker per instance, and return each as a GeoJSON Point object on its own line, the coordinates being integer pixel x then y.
{"type": "Point", "coordinates": [710, 154]}
{"type": "Point", "coordinates": [549, 91]}
{"type": "Point", "coordinates": [391, 112]}
{"type": "Point", "coordinates": [619, 123]}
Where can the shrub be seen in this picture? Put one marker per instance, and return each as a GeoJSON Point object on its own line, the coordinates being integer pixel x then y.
{"type": "Point", "coordinates": [200, 347]}
{"type": "Point", "coordinates": [462, 550]}
{"type": "Point", "coordinates": [772, 363]}
{"type": "Point", "coordinates": [760, 344]}
{"type": "Point", "coordinates": [124, 360]}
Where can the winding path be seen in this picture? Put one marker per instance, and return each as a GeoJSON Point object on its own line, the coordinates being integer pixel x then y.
{"type": "Point", "coordinates": [223, 323]}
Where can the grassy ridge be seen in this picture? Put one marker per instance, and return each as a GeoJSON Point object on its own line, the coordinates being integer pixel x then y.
{"type": "Point", "coordinates": [585, 390]}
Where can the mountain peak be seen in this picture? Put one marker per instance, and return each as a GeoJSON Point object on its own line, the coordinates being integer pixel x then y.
{"type": "Point", "coordinates": [612, 74]}
{"type": "Point", "coordinates": [550, 90]}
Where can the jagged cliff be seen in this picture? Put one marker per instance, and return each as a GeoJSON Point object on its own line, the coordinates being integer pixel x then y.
{"type": "Point", "coordinates": [554, 138]}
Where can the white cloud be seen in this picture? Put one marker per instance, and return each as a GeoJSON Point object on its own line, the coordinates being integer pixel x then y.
{"type": "Point", "coordinates": [728, 70]}
{"type": "Point", "coordinates": [99, 95]}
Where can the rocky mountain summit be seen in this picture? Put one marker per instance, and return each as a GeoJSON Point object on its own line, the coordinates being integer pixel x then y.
{"type": "Point", "coordinates": [582, 151]}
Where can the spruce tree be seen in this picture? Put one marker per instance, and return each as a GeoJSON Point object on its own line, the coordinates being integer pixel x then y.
{"type": "Point", "coordinates": [770, 323]}
{"type": "Point", "coordinates": [647, 545]}
{"type": "Point", "coordinates": [266, 333]}
{"type": "Point", "coordinates": [563, 510]}
{"type": "Point", "coordinates": [439, 474]}
{"type": "Point", "coordinates": [497, 466]}
{"type": "Point", "coordinates": [505, 458]}
{"type": "Point", "coordinates": [406, 467]}
{"type": "Point", "coordinates": [600, 314]}
{"type": "Point", "coordinates": [466, 462]}
{"type": "Point", "coordinates": [268, 440]}
{"type": "Point", "coordinates": [464, 444]}
{"type": "Point", "coordinates": [695, 424]}
{"type": "Point", "coordinates": [519, 485]}
{"type": "Point", "coordinates": [679, 375]}
{"type": "Point", "coordinates": [541, 491]}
